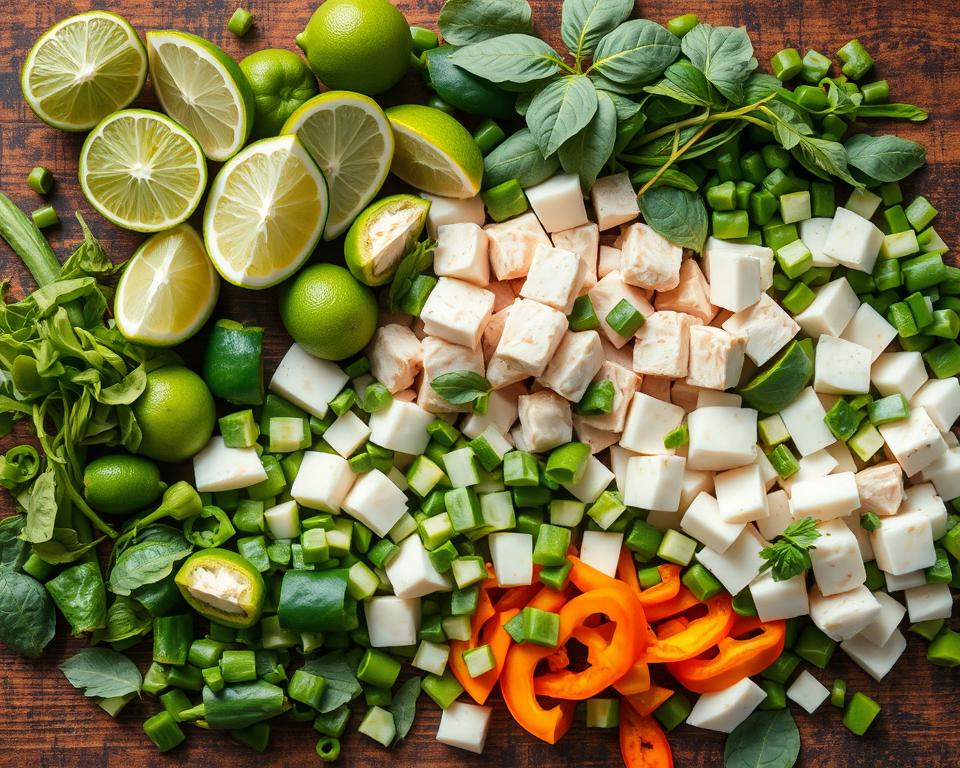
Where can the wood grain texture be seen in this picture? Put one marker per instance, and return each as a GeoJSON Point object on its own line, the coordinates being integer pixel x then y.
{"type": "Point", "coordinates": [45, 723]}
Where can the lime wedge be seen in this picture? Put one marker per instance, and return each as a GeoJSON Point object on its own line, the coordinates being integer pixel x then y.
{"type": "Point", "coordinates": [168, 289]}
{"type": "Point", "coordinates": [201, 87]}
{"type": "Point", "coordinates": [82, 69]}
{"type": "Point", "coordinates": [382, 235]}
{"type": "Point", "coordinates": [350, 138]}
{"type": "Point", "coordinates": [265, 213]}
{"type": "Point", "coordinates": [142, 171]}
{"type": "Point", "coordinates": [434, 152]}
{"type": "Point", "coordinates": [781, 382]}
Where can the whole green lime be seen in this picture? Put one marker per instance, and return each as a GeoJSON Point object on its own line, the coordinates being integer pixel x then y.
{"type": "Point", "coordinates": [357, 45]}
{"type": "Point", "coordinates": [175, 413]}
{"type": "Point", "coordinates": [281, 82]}
{"type": "Point", "coordinates": [121, 484]}
{"type": "Point", "coordinates": [328, 312]}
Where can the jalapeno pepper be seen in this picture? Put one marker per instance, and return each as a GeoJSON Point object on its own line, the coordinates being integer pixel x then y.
{"type": "Point", "coordinates": [698, 636]}
{"type": "Point", "coordinates": [223, 586]}
{"type": "Point", "coordinates": [643, 743]}
{"type": "Point", "coordinates": [517, 687]}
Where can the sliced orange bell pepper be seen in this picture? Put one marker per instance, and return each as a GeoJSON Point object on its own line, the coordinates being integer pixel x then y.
{"type": "Point", "coordinates": [560, 659]}
{"type": "Point", "coordinates": [643, 744]}
{"type": "Point", "coordinates": [517, 687]}
{"type": "Point", "coordinates": [585, 578]}
{"type": "Point", "coordinates": [547, 599]}
{"type": "Point", "coordinates": [736, 658]}
{"type": "Point", "coordinates": [646, 702]}
{"type": "Point", "coordinates": [683, 600]}
{"type": "Point", "coordinates": [637, 679]}
{"type": "Point", "coordinates": [516, 597]}
{"type": "Point", "coordinates": [699, 635]}
{"type": "Point", "coordinates": [484, 614]}
{"type": "Point", "coordinates": [627, 572]}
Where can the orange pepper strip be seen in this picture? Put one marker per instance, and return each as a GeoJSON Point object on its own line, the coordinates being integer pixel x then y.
{"type": "Point", "coordinates": [547, 599]}
{"type": "Point", "coordinates": [627, 572]}
{"type": "Point", "coordinates": [678, 604]}
{"type": "Point", "coordinates": [643, 743]}
{"type": "Point", "coordinates": [516, 597]}
{"type": "Point", "coordinates": [485, 612]}
{"type": "Point", "coordinates": [672, 627]}
{"type": "Point", "coordinates": [558, 660]}
{"type": "Point", "coordinates": [667, 589]}
{"type": "Point", "coordinates": [585, 578]}
{"type": "Point", "coordinates": [646, 702]}
{"type": "Point", "coordinates": [517, 687]}
{"type": "Point", "coordinates": [637, 680]}
{"type": "Point", "coordinates": [699, 635]}
{"type": "Point", "coordinates": [735, 659]}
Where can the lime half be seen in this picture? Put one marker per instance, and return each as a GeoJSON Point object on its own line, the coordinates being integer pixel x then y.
{"type": "Point", "coordinates": [82, 69]}
{"type": "Point", "coordinates": [142, 171]}
{"type": "Point", "coordinates": [349, 137]}
{"type": "Point", "coordinates": [168, 289]}
{"type": "Point", "coordinates": [265, 213]}
{"type": "Point", "coordinates": [202, 88]}
{"type": "Point", "coordinates": [382, 235]}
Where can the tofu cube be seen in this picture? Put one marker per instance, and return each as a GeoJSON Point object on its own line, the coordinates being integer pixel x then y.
{"type": "Point", "coordinates": [608, 260]}
{"type": "Point", "coordinates": [411, 571]}
{"type": "Point", "coordinates": [609, 292]}
{"type": "Point", "coordinates": [837, 565]}
{"type": "Point", "coordinates": [511, 245]}
{"type": "Point", "coordinates": [818, 464]}
{"type": "Point", "coordinates": [512, 556]}
{"type": "Point", "coordinates": [724, 710]}
{"type": "Point", "coordinates": [662, 346]}
{"type": "Point", "coordinates": [307, 381]}
{"type": "Point", "coordinates": [625, 384]}
{"type": "Point", "coordinates": [814, 233]}
{"type": "Point", "coordinates": [716, 357]}
{"type": "Point", "coordinates": [875, 660]}
{"type": "Point", "coordinates": [440, 357]}
{"type": "Point", "coordinates": [808, 692]}
{"type": "Point", "coordinates": [595, 480]}
{"type": "Point", "coordinates": [881, 488]}
{"type": "Point", "coordinates": [831, 311]}
{"type": "Point", "coordinates": [457, 311]}
{"type": "Point", "coordinates": [402, 427]}
{"type": "Point", "coordinates": [853, 241]}
{"type": "Point", "coordinates": [392, 622]}
{"type": "Point", "coordinates": [825, 498]}
{"type": "Point", "coordinates": [464, 726]}
{"type": "Point", "coordinates": [531, 335]}
{"type": "Point", "coordinates": [779, 600]}
{"type": "Point", "coordinates": [396, 356]}
{"type": "Point", "coordinates": [803, 419]}
{"type": "Point", "coordinates": [347, 434]}
{"type": "Point", "coordinates": [925, 499]}
{"type": "Point", "coordinates": [906, 581]}
{"type": "Point", "coordinates": [649, 260]}
{"type": "Point", "coordinates": [915, 441]}
{"type": "Point", "coordinates": [546, 420]}
{"type": "Point", "coordinates": [904, 543]}
{"type": "Point", "coordinates": [558, 202]}
{"type": "Point", "coordinates": [898, 372]}
{"type": "Point", "coordinates": [648, 422]}
{"type": "Point", "coordinates": [575, 363]}
{"type": "Point", "coordinates": [503, 373]}
{"type": "Point", "coordinates": [881, 629]}
{"type": "Point", "coordinates": [654, 482]}
{"type": "Point", "coordinates": [721, 438]}
{"type": "Point", "coordinates": [501, 413]}
{"type": "Point", "coordinates": [929, 602]}
{"type": "Point", "coordinates": [376, 502]}
{"type": "Point", "coordinates": [944, 474]}
{"type": "Point", "coordinates": [765, 326]}
{"type": "Point", "coordinates": [940, 398]}
{"type": "Point", "coordinates": [614, 201]}
{"type": "Point", "coordinates": [597, 439]}
{"type": "Point", "coordinates": [841, 367]}
{"type": "Point", "coordinates": [779, 517]}
{"type": "Point", "coordinates": [601, 550]}
{"type": "Point", "coordinates": [691, 296]}
{"type": "Point", "coordinates": [738, 565]}
{"type": "Point", "coordinates": [844, 615]}
{"type": "Point", "coordinates": [734, 280]}
{"type": "Point", "coordinates": [763, 255]}
{"type": "Point", "coordinates": [555, 278]}
{"type": "Point", "coordinates": [448, 210]}
{"type": "Point", "coordinates": [585, 242]}
{"type": "Point", "coordinates": [462, 253]}
{"type": "Point", "coordinates": [869, 329]}
{"type": "Point", "coordinates": [322, 481]}
{"type": "Point", "coordinates": [741, 494]}
{"type": "Point", "coordinates": [219, 468]}
{"type": "Point", "coordinates": [702, 521]}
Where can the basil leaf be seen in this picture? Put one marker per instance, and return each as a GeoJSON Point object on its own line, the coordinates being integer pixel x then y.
{"type": "Point", "coordinates": [840, 102]}
{"type": "Point", "coordinates": [684, 82]}
{"type": "Point", "coordinates": [13, 549]}
{"type": "Point", "coordinates": [759, 87]}
{"type": "Point", "coordinates": [40, 504]}
{"type": "Point", "coordinates": [64, 547]}
{"type": "Point", "coordinates": [677, 214]}
{"type": "Point", "coordinates": [102, 672]}
{"type": "Point", "coordinates": [884, 158]}
{"type": "Point", "coordinates": [584, 22]}
{"type": "Point", "coordinates": [724, 55]}
{"type": "Point", "coordinates": [79, 593]}
{"type": "Point", "coordinates": [820, 155]}
{"type": "Point", "coordinates": [898, 111]}
{"type": "Point", "coordinates": [767, 739]}
{"type": "Point", "coordinates": [27, 618]}
{"type": "Point", "coordinates": [126, 618]}
{"type": "Point", "coordinates": [462, 22]}
{"type": "Point", "coordinates": [404, 707]}
{"type": "Point", "coordinates": [509, 59]}
{"type": "Point", "coordinates": [635, 53]}
{"type": "Point", "coordinates": [669, 178]}
{"type": "Point", "coordinates": [518, 157]}
{"type": "Point", "coordinates": [146, 563]}
{"type": "Point", "coordinates": [342, 686]}
{"type": "Point", "coordinates": [460, 387]}
{"type": "Point", "coordinates": [586, 153]}
{"type": "Point", "coordinates": [560, 110]}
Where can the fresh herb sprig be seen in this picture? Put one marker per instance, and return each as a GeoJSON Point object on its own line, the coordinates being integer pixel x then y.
{"type": "Point", "coordinates": [789, 554]}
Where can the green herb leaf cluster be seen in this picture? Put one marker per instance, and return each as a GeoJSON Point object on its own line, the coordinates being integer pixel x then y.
{"type": "Point", "coordinates": [460, 387]}
{"type": "Point", "coordinates": [789, 554]}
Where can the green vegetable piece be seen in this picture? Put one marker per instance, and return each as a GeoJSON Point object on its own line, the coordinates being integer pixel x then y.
{"type": "Point", "coordinates": [240, 23]}
{"type": "Point", "coordinates": [781, 382]}
{"type": "Point", "coordinates": [762, 207]}
{"type": "Point", "coordinates": [815, 68]}
{"type": "Point", "coordinates": [673, 711]}
{"type": "Point", "coordinates": [625, 319]}
{"type": "Point", "coordinates": [583, 317]}
{"type": "Point", "coordinates": [786, 64]}
{"type": "Point", "coordinates": [730, 225]}
{"type": "Point", "coordinates": [163, 731]}
{"type": "Point", "coordinates": [743, 604]}
{"type": "Point", "coordinates": [928, 630]}
{"type": "Point", "coordinates": [703, 584]}
{"type": "Point", "coordinates": [520, 470]}
{"type": "Point", "coordinates": [680, 25]}
{"type": "Point", "coordinates": [597, 399]}
{"type": "Point", "coordinates": [887, 409]}
{"type": "Point", "coordinates": [222, 586]}
{"type": "Point", "coordinates": [794, 258]}
{"type": "Point", "coordinates": [643, 540]}
{"type": "Point", "coordinates": [317, 601]}
{"type": "Point", "coordinates": [944, 359]}
{"type": "Point", "coordinates": [242, 705]}
{"type": "Point", "coordinates": [238, 666]}
{"type": "Point", "coordinates": [722, 197]}
{"type": "Point", "coordinates": [920, 213]}
{"type": "Point", "coordinates": [171, 638]}
{"type": "Point", "coordinates": [45, 216]}
{"type": "Point", "coordinates": [40, 180]}
{"type": "Point", "coordinates": [488, 135]}
{"type": "Point", "coordinates": [79, 593]}
{"type": "Point", "coordinates": [442, 690]}
{"type": "Point", "coordinates": [798, 298]}
{"type": "Point", "coordinates": [815, 647]}
{"type": "Point", "coordinates": [860, 713]}
{"type": "Point", "coordinates": [556, 577]}
{"type": "Point", "coordinates": [843, 420]}
{"type": "Point", "coordinates": [782, 669]}
{"type": "Point", "coordinates": [776, 695]}
{"type": "Point", "coordinates": [856, 61]}
{"type": "Point", "coordinates": [551, 546]}
{"type": "Point", "coordinates": [505, 200]}
{"type": "Point", "coordinates": [567, 463]}
{"type": "Point", "coordinates": [676, 548]}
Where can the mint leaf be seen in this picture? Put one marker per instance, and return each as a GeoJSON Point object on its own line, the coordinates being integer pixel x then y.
{"type": "Point", "coordinates": [634, 54]}
{"type": "Point", "coordinates": [584, 22]}
{"type": "Point", "coordinates": [460, 387]}
{"type": "Point", "coordinates": [560, 110]}
{"type": "Point", "coordinates": [462, 22]}
{"type": "Point", "coordinates": [509, 59]}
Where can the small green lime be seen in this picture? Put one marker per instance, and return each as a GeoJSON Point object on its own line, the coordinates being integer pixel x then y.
{"type": "Point", "coordinates": [121, 484]}
{"type": "Point", "coordinates": [774, 388]}
{"type": "Point", "coordinates": [281, 82]}
{"type": "Point", "coordinates": [175, 413]}
{"type": "Point", "coordinates": [233, 362]}
{"type": "Point", "coordinates": [382, 235]}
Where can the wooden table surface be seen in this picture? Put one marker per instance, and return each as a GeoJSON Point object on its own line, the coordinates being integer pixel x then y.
{"type": "Point", "coordinates": [44, 722]}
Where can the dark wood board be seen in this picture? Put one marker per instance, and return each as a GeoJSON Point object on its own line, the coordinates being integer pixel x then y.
{"type": "Point", "coordinates": [46, 723]}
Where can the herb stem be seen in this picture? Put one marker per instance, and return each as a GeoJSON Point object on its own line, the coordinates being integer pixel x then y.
{"type": "Point", "coordinates": [705, 116]}
{"type": "Point", "coordinates": [677, 154]}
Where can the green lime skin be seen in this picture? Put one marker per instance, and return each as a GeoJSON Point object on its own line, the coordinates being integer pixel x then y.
{"type": "Point", "coordinates": [176, 414]}
{"type": "Point", "coordinates": [121, 484]}
{"type": "Point", "coordinates": [229, 567]}
{"type": "Point", "coordinates": [465, 91]}
{"type": "Point", "coordinates": [233, 363]}
{"type": "Point", "coordinates": [281, 82]}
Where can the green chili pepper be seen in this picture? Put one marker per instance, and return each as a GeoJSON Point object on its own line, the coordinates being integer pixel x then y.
{"type": "Point", "coordinates": [238, 706]}
{"type": "Point", "coordinates": [317, 601]}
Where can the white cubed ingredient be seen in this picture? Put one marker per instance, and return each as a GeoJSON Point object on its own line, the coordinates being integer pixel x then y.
{"type": "Point", "coordinates": [614, 201]}
{"type": "Point", "coordinates": [779, 517]}
{"type": "Point", "coordinates": [763, 255]}
{"type": "Point", "coordinates": [716, 357]}
{"type": "Point", "coordinates": [862, 535]}
{"type": "Point", "coordinates": [440, 357]}
{"type": "Point", "coordinates": [464, 726]}
{"type": "Point", "coordinates": [831, 311]}
{"type": "Point", "coordinates": [881, 629]}
{"type": "Point", "coordinates": [904, 543]}
{"type": "Point", "coordinates": [724, 710]}
{"type": "Point", "coordinates": [875, 660]}
{"type": "Point", "coordinates": [619, 457]}
{"type": "Point", "coordinates": [870, 329]}
{"type": "Point", "coordinates": [814, 233]}
{"type": "Point", "coordinates": [738, 565]}
{"type": "Point", "coordinates": [691, 296]}
{"type": "Point", "coordinates": [402, 427]}
{"type": "Point", "coordinates": [853, 241]}
{"type": "Point", "coordinates": [841, 454]}
{"type": "Point", "coordinates": [308, 381]}
{"type": "Point", "coordinates": [457, 311]}
{"type": "Point", "coordinates": [898, 373]}
{"type": "Point", "coordinates": [808, 692]}
{"type": "Point", "coordinates": [702, 521]}
{"type": "Point", "coordinates": [532, 333]}
{"type": "Point", "coordinates": [768, 474]}
{"type": "Point", "coordinates": [915, 441]}
{"type": "Point", "coordinates": [395, 356]}
{"type": "Point", "coordinates": [392, 622]}
{"type": "Point", "coordinates": [218, 468]}
{"type": "Point", "coordinates": [825, 498]}
{"type": "Point", "coordinates": [347, 434]}
{"type": "Point", "coordinates": [662, 346]}
{"type": "Point", "coordinates": [695, 482]}
{"type": "Point", "coordinates": [576, 361]}
{"type": "Point", "coordinates": [648, 260]}
{"type": "Point", "coordinates": [585, 242]}
{"type": "Point", "coordinates": [511, 245]}
{"type": "Point", "coordinates": [766, 327]}
{"type": "Point", "coordinates": [595, 480]}
{"type": "Point", "coordinates": [609, 292]}
{"type": "Point", "coordinates": [625, 384]}
{"type": "Point", "coordinates": [431, 657]}
{"type": "Point", "coordinates": [376, 502]}
{"type": "Point", "coordinates": [721, 438]}
{"type": "Point", "coordinates": [597, 439]}
{"type": "Point", "coordinates": [461, 252]}
{"type": "Point", "coordinates": [941, 400]}
{"type": "Point", "coordinates": [546, 420]}
{"type": "Point", "coordinates": [944, 473]}
{"type": "Point", "coordinates": [741, 494]}
{"type": "Point", "coordinates": [734, 280]}
{"type": "Point", "coordinates": [929, 602]}
{"type": "Point", "coordinates": [925, 498]}
{"type": "Point", "coordinates": [841, 367]}
{"type": "Point", "coordinates": [411, 571]}
{"type": "Point", "coordinates": [501, 413]}
{"type": "Point", "coordinates": [905, 581]}
{"type": "Point", "coordinates": [648, 421]}
{"type": "Point", "coordinates": [709, 398]}
{"type": "Point", "coordinates": [844, 615]}
{"type": "Point", "coordinates": [555, 278]}
{"type": "Point", "coordinates": [449, 210]}
{"type": "Point", "coordinates": [512, 556]}
{"type": "Point", "coordinates": [322, 482]}
{"type": "Point", "coordinates": [881, 488]}
{"type": "Point", "coordinates": [503, 373]}
{"type": "Point", "coordinates": [601, 551]}
{"type": "Point", "coordinates": [608, 260]}
{"type": "Point", "coordinates": [283, 520]}
{"type": "Point", "coordinates": [837, 565]}
{"type": "Point", "coordinates": [817, 464]}
{"type": "Point", "coordinates": [654, 482]}
{"type": "Point", "coordinates": [558, 202]}
{"type": "Point", "coordinates": [778, 600]}
{"type": "Point", "coordinates": [804, 421]}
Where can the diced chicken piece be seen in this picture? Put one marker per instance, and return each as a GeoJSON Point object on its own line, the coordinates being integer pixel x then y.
{"type": "Point", "coordinates": [844, 615]}
{"type": "Point", "coordinates": [869, 329]}
{"type": "Point", "coordinates": [716, 357]}
{"type": "Point", "coordinates": [898, 373]}
{"type": "Point", "coordinates": [457, 311]}
{"type": "Point", "coordinates": [648, 422]}
{"type": "Point", "coordinates": [546, 420]}
{"type": "Point", "coordinates": [503, 295]}
{"type": "Point", "coordinates": [779, 517]}
{"type": "Point", "coordinates": [654, 482]}
{"type": "Point", "coordinates": [831, 310]}
{"type": "Point", "coordinates": [649, 260]}
{"type": "Point", "coordinates": [465, 726]}
{"type": "Point", "coordinates": [814, 233]}
{"type": "Point", "coordinates": [462, 253]}
{"type": "Point", "coordinates": [881, 488]}
{"type": "Point", "coordinates": [941, 400]}
{"type": "Point", "coordinates": [929, 602]}
{"type": "Point", "coordinates": [722, 438]}
{"type": "Point", "coordinates": [512, 244]}
{"type": "Point", "coordinates": [597, 439]}
{"type": "Point", "coordinates": [914, 441]}
{"type": "Point", "coordinates": [817, 464]}
{"type": "Point", "coordinates": [585, 242]}
{"type": "Point", "coordinates": [307, 381]}
{"type": "Point", "coordinates": [608, 260]}
{"type": "Point", "coordinates": [575, 363]}
{"type": "Point", "coordinates": [808, 692]}
{"type": "Point", "coordinates": [554, 279]}
{"type": "Point", "coordinates": [531, 335]}
{"type": "Point", "coordinates": [841, 367]}
{"type": "Point", "coordinates": [595, 480]}
{"type": "Point", "coordinates": [662, 347]}
{"type": "Point", "coordinates": [601, 550]}
{"type": "Point", "coordinates": [396, 357]}
{"type": "Point", "coordinates": [691, 295]}
{"type": "Point", "coordinates": [494, 332]}
{"type": "Point", "coordinates": [837, 565]}
{"type": "Point", "coordinates": [558, 202]}
{"type": "Point", "coordinates": [622, 356]}
{"type": "Point", "coordinates": [392, 621]}
{"type": "Point", "coordinates": [502, 373]}
{"type": "Point", "coordinates": [765, 326]}
{"type": "Point", "coordinates": [625, 384]}
{"type": "Point", "coordinates": [447, 210]}
{"type": "Point", "coordinates": [614, 201]}
{"type": "Point", "coordinates": [439, 357]}
{"type": "Point", "coordinates": [609, 292]}
{"type": "Point", "coordinates": [219, 468]}
{"type": "Point", "coordinates": [853, 241]}
{"type": "Point", "coordinates": [411, 572]}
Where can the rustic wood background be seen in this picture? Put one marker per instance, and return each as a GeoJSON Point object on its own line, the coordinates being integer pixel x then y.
{"type": "Point", "coordinates": [45, 723]}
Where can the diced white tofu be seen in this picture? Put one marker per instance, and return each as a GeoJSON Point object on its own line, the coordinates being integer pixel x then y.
{"type": "Point", "coordinates": [457, 311]}
{"type": "Point", "coordinates": [904, 543]}
{"type": "Point", "coordinates": [906, 581]}
{"type": "Point", "coordinates": [440, 357]}
{"type": "Point", "coordinates": [531, 335]}
{"type": "Point", "coordinates": [875, 660]}
{"type": "Point", "coordinates": [448, 210]}
{"type": "Point", "coordinates": [814, 233]}
{"type": "Point", "coordinates": [648, 422]}
{"type": "Point", "coordinates": [929, 602]}
{"type": "Point", "coordinates": [597, 439]}
{"type": "Point", "coordinates": [898, 373]}
{"type": "Point", "coordinates": [555, 278]}
{"type": "Point", "coordinates": [585, 242]}
{"type": "Point", "coordinates": [724, 710]}
{"type": "Point", "coordinates": [825, 498]}
{"type": "Point", "coordinates": [842, 616]}
{"type": "Point", "coordinates": [558, 202]}
{"type": "Point", "coordinates": [841, 367]}
{"type": "Point", "coordinates": [614, 201]}
{"type": "Point", "coordinates": [608, 260]}
{"type": "Point", "coordinates": [703, 522]}
{"type": "Point", "coordinates": [601, 550]}
{"type": "Point", "coordinates": [808, 692]}
{"type": "Point", "coordinates": [734, 280]}
{"type": "Point", "coordinates": [804, 421]}
{"type": "Point", "coordinates": [575, 363]}
{"type": "Point", "coordinates": [396, 356]}
{"type": "Point", "coordinates": [308, 381]}
{"type": "Point", "coordinates": [869, 329]}
{"type": "Point", "coordinates": [512, 556]}
{"type": "Point", "coordinates": [768, 475]}
{"type": "Point", "coordinates": [461, 252]}
{"type": "Point", "coordinates": [691, 296]}
{"type": "Point", "coordinates": [763, 255]}
{"type": "Point", "coordinates": [766, 327]}
{"type": "Point", "coordinates": [741, 494]}
{"type": "Point", "coordinates": [837, 565]}
{"type": "Point", "coordinates": [283, 520]}
{"type": "Point", "coordinates": [779, 517]}
{"type": "Point", "coordinates": [512, 243]}
{"type": "Point", "coordinates": [914, 441]}
{"type": "Point", "coordinates": [322, 481]}
{"type": "Point", "coordinates": [738, 565]}
{"type": "Point", "coordinates": [464, 726]}
{"type": "Point", "coordinates": [654, 482]}
{"type": "Point", "coordinates": [862, 535]}
{"type": "Point", "coordinates": [818, 464]}
{"type": "Point", "coordinates": [609, 292]}
{"type": "Point", "coordinates": [924, 498]}
{"type": "Point", "coordinates": [546, 420]}
{"type": "Point", "coordinates": [376, 502]}
{"type": "Point", "coordinates": [347, 434]}
{"type": "Point", "coordinates": [595, 480]}
{"type": "Point", "coordinates": [649, 260]}
{"type": "Point", "coordinates": [778, 600]}
{"type": "Point", "coordinates": [853, 241]}
{"type": "Point", "coordinates": [831, 311]}
{"type": "Point", "coordinates": [392, 622]}
{"type": "Point", "coordinates": [694, 483]}
{"type": "Point", "coordinates": [501, 413]}
{"type": "Point", "coordinates": [662, 346]}
{"type": "Point", "coordinates": [944, 474]}
{"type": "Point", "coordinates": [411, 571]}
{"type": "Point", "coordinates": [716, 357]}
{"type": "Point", "coordinates": [881, 488]}
{"type": "Point", "coordinates": [941, 400]}
{"type": "Point", "coordinates": [402, 427]}
{"type": "Point", "coordinates": [880, 630]}
{"type": "Point", "coordinates": [721, 438]}
{"type": "Point", "coordinates": [218, 468]}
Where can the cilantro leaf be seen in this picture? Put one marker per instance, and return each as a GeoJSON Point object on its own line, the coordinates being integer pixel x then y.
{"type": "Point", "coordinates": [789, 555]}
